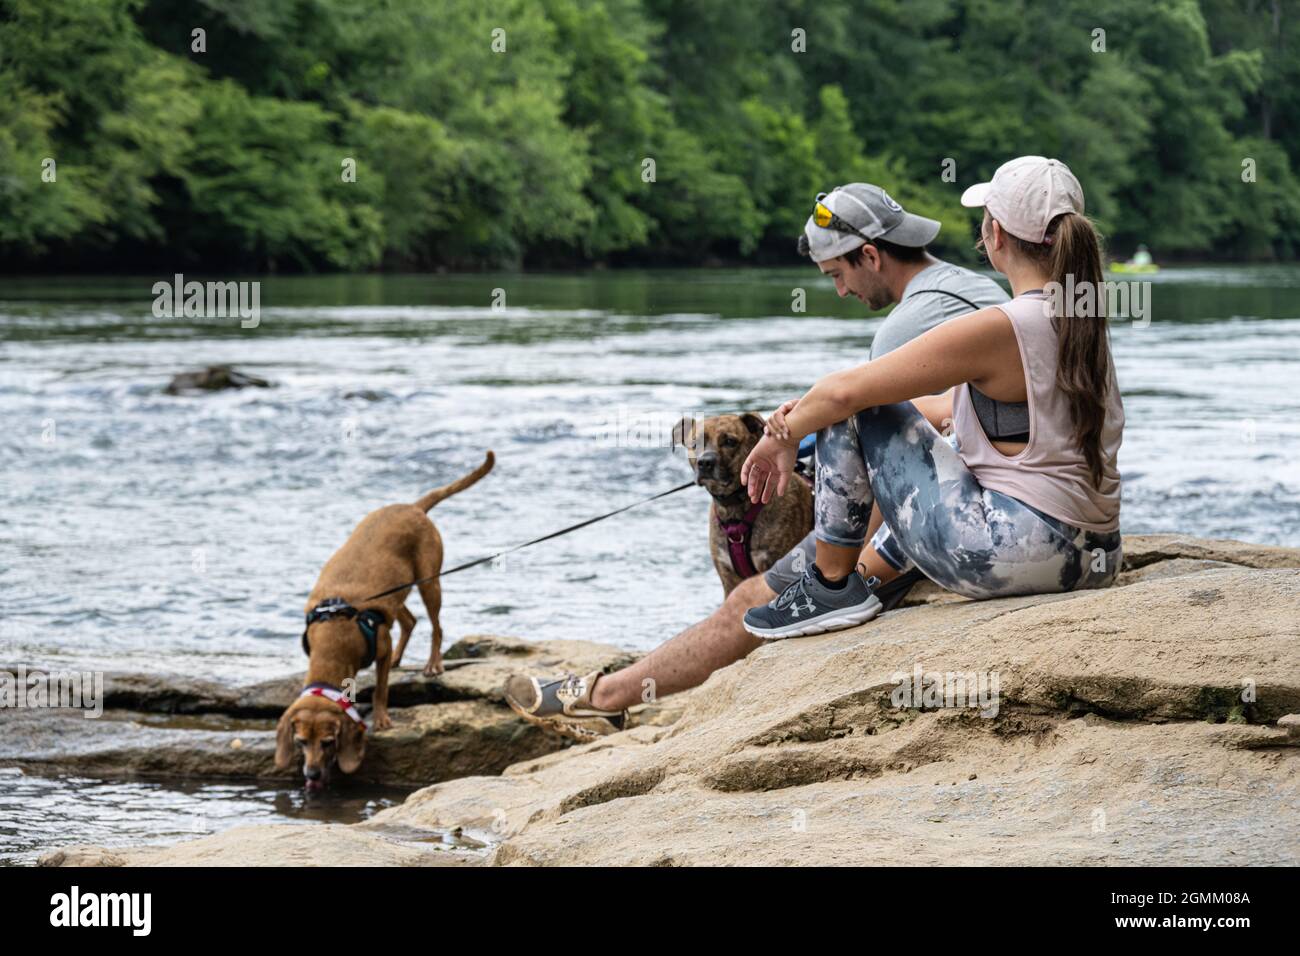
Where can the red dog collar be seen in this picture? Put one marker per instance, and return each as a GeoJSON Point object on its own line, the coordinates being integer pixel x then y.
{"type": "Point", "coordinates": [340, 698]}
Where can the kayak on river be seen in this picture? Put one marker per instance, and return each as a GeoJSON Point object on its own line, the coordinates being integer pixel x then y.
{"type": "Point", "coordinates": [1141, 262]}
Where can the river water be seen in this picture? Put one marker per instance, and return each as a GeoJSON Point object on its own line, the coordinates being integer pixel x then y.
{"type": "Point", "coordinates": [141, 531]}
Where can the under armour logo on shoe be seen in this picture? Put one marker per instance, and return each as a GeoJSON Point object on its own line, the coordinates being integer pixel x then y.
{"type": "Point", "coordinates": [795, 609]}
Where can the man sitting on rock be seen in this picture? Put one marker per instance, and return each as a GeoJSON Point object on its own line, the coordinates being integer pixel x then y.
{"type": "Point", "coordinates": [874, 250]}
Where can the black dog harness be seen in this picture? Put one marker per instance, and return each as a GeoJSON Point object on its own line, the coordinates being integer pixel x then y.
{"type": "Point", "coordinates": [368, 623]}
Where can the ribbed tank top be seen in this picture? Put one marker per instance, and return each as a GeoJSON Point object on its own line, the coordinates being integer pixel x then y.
{"type": "Point", "coordinates": [1050, 473]}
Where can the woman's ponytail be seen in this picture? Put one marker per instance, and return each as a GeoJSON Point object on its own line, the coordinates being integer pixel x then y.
{"type": "Point", "coordinates": [1071, 253]}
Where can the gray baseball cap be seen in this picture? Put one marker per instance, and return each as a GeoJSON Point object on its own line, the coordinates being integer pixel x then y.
{"type": "Point", "coordinates": [874, 214]}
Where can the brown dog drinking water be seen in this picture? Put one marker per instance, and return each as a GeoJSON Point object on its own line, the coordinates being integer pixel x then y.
{"type": "Point", "coordinates": [349, 622]}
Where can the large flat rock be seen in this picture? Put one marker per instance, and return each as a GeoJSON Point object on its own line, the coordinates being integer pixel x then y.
{"type": "Point", "coordinates": [1143, 549]}
{"type": "Point", "coordinates": [803, 733]}
{"type": "Point", "coordinates": [1134, 725]}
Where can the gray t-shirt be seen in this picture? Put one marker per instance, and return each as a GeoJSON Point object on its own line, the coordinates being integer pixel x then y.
{"type": "Point", "coordinates": [919, 311]}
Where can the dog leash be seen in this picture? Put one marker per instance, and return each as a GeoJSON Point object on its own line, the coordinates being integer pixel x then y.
{"type": "Point", "coordinates": [545, 537]}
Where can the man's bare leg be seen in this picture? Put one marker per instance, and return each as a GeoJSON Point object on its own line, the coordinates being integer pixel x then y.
{"type": "Point", "coordinates": [872, 563]}
{"type": "Point", "coordinates": [688, 659]}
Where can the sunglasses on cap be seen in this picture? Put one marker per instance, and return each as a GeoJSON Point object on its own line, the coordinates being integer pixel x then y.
{"type": "Point", "coordinates": [826, 219]}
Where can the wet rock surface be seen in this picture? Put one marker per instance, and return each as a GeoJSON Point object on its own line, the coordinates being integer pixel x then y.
{"type": "Point", "coordinates": [456, 724]}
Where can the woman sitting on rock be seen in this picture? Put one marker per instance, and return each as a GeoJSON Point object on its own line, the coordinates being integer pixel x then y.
{"type": "Point", "coordinates": [1023, 496]}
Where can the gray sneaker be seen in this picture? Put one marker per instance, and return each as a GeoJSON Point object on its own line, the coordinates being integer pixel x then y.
{"type": "Point", "coordinates": [809, 607]}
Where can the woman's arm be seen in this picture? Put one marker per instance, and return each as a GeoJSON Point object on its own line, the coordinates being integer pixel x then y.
{"type": "Point", "coordinates": [937, 410]}
{"type": "Point", "coordinates": [978, 347]}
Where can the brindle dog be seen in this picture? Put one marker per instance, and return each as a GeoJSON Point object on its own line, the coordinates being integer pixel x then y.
{"type": "Point", "coordinates": [716, 448]}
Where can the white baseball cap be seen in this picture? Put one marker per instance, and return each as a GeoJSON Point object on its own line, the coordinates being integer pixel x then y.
{"type": "Point", "coordinates": [1026, 194]}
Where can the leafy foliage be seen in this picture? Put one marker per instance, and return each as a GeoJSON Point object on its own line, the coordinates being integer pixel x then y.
{"type": "Point", "coordinates": [569, 131]}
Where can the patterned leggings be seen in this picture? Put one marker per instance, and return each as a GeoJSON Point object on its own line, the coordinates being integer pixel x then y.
{"type": "Point", "coordinates": [966, 538]}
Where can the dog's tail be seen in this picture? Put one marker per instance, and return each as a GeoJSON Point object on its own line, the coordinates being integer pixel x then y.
{"type": "Point", "coordinates": [460, 484]}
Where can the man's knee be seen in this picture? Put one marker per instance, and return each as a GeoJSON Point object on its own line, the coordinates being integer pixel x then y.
{"type": "Point", "coordinates": [750, 592]}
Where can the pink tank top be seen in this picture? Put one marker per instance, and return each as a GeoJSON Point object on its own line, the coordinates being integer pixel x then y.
{"type": "Point", "coordinates": [1050, 473]}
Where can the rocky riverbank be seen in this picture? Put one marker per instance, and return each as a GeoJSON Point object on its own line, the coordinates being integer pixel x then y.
{"type": "Point", "coordinates": [1135, 725]}
{"type": "Point", "coordinates": [455, 725]}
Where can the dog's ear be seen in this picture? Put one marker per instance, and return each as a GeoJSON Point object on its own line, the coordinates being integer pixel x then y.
{"type": "Point", "coordinates": [682, 432]}
{"type": "Point", "coordinates": [754, 422]}
{"type": "Point", "coordinates": [352, 746]}
{"type": "Point", "coordinates": [284, 741]}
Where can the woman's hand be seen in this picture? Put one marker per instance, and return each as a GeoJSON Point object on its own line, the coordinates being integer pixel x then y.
{"type": "Point", "coordinates": [775, 425]}
{"type": "Point", "coordinates": [768, 468]}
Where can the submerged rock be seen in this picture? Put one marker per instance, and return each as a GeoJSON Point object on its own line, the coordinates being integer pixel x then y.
{"type": "Point", "coordinates": [1142, 724]}
{"type": "Point", "coordinates": [214, 378]}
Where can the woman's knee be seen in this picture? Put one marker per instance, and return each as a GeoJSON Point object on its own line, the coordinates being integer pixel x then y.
{"type": "Point", "coordinates": [839, 449]}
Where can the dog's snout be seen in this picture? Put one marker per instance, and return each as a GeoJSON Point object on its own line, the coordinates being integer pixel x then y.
{"type": "Point", "coordinates": [707, 464]}
{"type": "Point", "coordinates": [311, 773]}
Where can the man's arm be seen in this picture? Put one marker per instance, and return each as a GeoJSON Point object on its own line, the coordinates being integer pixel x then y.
{"type": "Point", "coordinates": [937, 409]}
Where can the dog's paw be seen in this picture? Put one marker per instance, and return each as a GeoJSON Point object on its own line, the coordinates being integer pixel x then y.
{"type": "Point", "coordinates": [382, 721]}
{"type": "Point", "coordinates": [433, 668]}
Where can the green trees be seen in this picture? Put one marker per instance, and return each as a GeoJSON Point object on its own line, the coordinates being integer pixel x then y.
{"type": "Point", "coordinates": [325, 134]}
